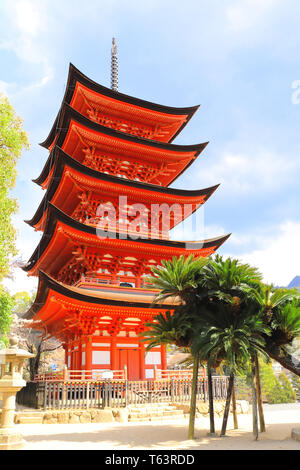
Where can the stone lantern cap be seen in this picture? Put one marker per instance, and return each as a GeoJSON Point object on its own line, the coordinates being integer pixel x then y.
{"type": "Point", "coordinates": [11, 360]}
{"type": "Point", "coordinates": [10, 353]}
{"type": "Point", "coordinates": [13, 351]}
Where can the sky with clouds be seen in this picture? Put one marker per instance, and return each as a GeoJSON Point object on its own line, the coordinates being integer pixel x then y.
{"type": "Point", "coordinates": [239, 59]}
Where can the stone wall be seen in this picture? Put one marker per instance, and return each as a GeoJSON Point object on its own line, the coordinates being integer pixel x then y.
{"type": "Point", "coordinates": [242, 407]}
{"type": "Point", "coordinates": [109, 415]}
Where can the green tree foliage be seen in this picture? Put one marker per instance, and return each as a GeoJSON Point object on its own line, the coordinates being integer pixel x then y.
{"type": "Point", "coordinates": [287, 388]}
{"type": "Point", "coordinates": [6, 306]}
{"type": "Point", "coordinates": [177, 277]}
{"type": "Point", "coordinates": [243, 387]}
{"type": "Point", "coordinates": [231, 336]}
{"type": "Point", "coordinates": [169, 328]}
{"type": "Point", "coordinates": [13, 139]}
{"type": "Point", "coordinates": [22, 302]}
{"type": "Point", "coordinates": [296, 384]}
{"type": "Point", "coordinates": [275, 390]}
{"type": "Point", "coordinates": [286, 323]}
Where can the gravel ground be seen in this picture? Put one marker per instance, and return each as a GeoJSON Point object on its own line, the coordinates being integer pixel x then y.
{"type": "Point", "coordinates": [282, 407]}
{"type": "Point", "coordinates": [280, 419]}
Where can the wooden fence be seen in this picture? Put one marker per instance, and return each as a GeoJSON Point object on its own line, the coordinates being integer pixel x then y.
{"type": "Point", "coordinates": [120, 393]}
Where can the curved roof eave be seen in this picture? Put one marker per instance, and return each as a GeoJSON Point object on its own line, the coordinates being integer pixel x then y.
{"type": "Point", "coordinates": [46, 283]}
{"type": "Point", "coordinates": [67, 113]}
{"type": "Point", "coordinates": [75, 75]}
{"type": "Point", "coordinates": [62, 159]}
{"type": "Point", "coordinates": [54, 215]}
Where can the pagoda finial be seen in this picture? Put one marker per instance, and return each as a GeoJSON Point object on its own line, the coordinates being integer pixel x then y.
{"type": "Point", "coordinates": [114, 65]}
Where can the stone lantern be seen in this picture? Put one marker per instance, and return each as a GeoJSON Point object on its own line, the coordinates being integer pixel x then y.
{"type": "Point", "coordinates": [11, 381]}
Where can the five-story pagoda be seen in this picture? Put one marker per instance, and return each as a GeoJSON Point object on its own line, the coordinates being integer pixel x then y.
{"type": "Point", "coordinates": [107, 179]}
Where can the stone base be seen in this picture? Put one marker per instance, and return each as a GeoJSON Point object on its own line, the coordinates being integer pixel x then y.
{"type": "Point", "coordinates": [242, 407]}
{"type": "Point", "coordinates": [296, 434]}
{"type": "Point", "coordinates": [78, 416]}
{"type": "Point", "coordinates": [11, 441]}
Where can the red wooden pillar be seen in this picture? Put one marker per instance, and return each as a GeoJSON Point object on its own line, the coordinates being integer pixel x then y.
{"type": "Point", "coordinates": [163, 357]}
{"type": "Point", "coordinates": [137, 282]}
{"type": "Point", "coordinates": [113, 353]}
{"type": "Point", "coordinates": [79, 360]}
{"type": "Point", "coordinates": [142, 361]}
{"type": "Point", "coordinates": [88, 355]}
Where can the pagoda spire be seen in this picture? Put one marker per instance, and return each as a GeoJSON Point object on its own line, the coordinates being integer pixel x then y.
{"type": "Point", "coordinates": [114, 65]}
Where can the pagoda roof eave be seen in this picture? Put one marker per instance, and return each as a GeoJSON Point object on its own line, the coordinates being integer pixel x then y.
{"type": "Point", "coordinates": [55, 216]}
{"type": "Point", "coordinates": [67, 113]}
{"type": "Point", "coordinates": [75, 76]}
{"type": "Point", "coordinates": [62, 160]}
{"type": "Point", "coordinates": [47, 284]}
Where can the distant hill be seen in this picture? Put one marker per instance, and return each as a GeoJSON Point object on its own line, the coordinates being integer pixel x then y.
{"type": "Point", "coordinates": [295, 282]}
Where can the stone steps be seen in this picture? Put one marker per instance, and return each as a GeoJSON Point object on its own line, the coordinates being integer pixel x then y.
{"type": "Point", "coordinates": [150, 409]}
{"type": "Point", "coordinates": [134, 413]}
{"type": "Point", "coordinates": [29, 417]}
{"type": "Point", "coordinates": [154, 413]}
{"type": "Point", "coordinates": [155, 418]}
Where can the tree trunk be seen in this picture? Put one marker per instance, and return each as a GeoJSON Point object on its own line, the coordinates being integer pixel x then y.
{"type": "Point", "coordinates": [193, 398]}
{"type": "Point", "coordinates": [235, 420]}
{"type": "Point", "coordinates": [262, 425]}
{"type": "Point", "coordinates": [210, 399]}
{"type": "Point", "coordinates": [34, 363]}
{"type": "Point", "coordinates": [287, 361]}
{"type": "Point", "coordinates": [227, 405]}
{"type": "Point", "coordinates": [254, 401]}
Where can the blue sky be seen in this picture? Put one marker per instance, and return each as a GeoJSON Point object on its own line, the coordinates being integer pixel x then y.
{"type": "Point", "coordinates": [239, 59]}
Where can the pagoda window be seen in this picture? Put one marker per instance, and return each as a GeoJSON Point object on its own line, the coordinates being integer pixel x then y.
{"type": "Point", "coordinates": [101, 357]}
{"type": "Point", "coordinates": [153, 358]}
{"type": "Point", "coordinates": [123, 125]}
{"type": "Point", "coordinates": [122, 333]}
{"type": "Point", "coordinates": [113, 165]}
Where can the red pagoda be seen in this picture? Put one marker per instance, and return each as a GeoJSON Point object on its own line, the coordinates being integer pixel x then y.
{"type": "Point", "coordinates": [106, 147]}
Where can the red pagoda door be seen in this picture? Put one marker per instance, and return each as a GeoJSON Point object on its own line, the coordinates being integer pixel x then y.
{"type": "Point", "coordinates": [131, 359]}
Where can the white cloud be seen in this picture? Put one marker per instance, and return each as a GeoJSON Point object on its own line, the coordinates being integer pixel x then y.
{"type": "Point", "coordinates": [28, 22]}
{"type": "Point", "coordinates": [244, 173]}
{"type": "Point", "coordinates": [279, 256]}
{"type": "Point", "coordinates": [28, 17]}
{"type": "Point", "coordinates": [245, 14]}
{"type": "Point", "coordinates": [6, 88]}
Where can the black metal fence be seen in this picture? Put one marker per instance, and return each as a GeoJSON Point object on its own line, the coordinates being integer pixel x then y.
{"type": "Point", "coordinates": [120, 393]}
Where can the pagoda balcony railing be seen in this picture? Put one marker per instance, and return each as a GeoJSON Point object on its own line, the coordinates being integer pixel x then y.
{"type": "Point", "coordinates": [177, 374]}
{"type": "Point", "coordinates": [106, 281]}
{"type": "Point", "coordinates": [81, 375]}
{"type": "Point", "coordinates": [94, 375]}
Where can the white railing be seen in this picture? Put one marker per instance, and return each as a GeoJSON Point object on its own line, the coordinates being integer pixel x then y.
{"type": "Point", "coordinates": [81, 375]}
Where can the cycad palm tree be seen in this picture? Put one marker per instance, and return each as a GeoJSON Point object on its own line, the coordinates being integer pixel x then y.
{"type": "Point", "coordinates": [230, 279]}
{"type": "Point", "coordinates": [178, 277]}
{"type": "Point", "coordinates": [285, 323]}
{"type": "Point", "coordinates": [231, 337]}
{"type": "Point", "coordinates": [170, 328]}
{"type": "Point", "coordinates": [272, 299]}
{"type": "Point", "coordinates": [281, 313]}
{"type": "Point", "coordinates": [233, 282]}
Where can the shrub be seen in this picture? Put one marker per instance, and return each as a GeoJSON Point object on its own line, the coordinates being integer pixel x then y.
{"type": "Point", "coordinates": [273, 389]}
{"type": "Point", "coordinates": [287, 387]}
